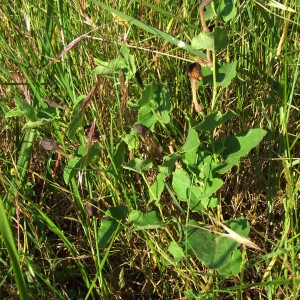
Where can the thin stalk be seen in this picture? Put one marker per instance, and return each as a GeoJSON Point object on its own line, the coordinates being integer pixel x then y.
{"type": "Point", "coordinates": [214, 96]}
{"type": "Point", "coordinates": [7, 236]}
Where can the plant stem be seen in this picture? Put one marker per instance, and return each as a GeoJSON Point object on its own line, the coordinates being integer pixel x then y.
{"type": "Point", "coordinates": [214, 96]}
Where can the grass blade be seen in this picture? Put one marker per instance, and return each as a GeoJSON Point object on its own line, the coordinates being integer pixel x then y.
{"type": "Point", "coordinates": [12, 252]}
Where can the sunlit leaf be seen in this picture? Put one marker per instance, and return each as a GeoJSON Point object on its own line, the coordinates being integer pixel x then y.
{"type": "Point", "coordinates": [109, 67]}
{"type": "Point", "coordinates": [181, 183]}
{"type": "Point", "coordinates": [142, 221]}
{"type": "Point", "coordinates": [28, 110]}
{"type": "Point", "coordinates": [215, 40]}
{"type": "Point", "coordinates": [157, 187]}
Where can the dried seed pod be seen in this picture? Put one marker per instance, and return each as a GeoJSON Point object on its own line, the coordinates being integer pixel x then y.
{"type": "Point", "coordinates": [194, 71]}
{"type": "Point", "coordinates": [122, 80]}
{"type": "Point", "coordinates": [195, 74]}
{"type": "Point", "coordinates": [139, 79]}
{"type": "Point", "coordinates": [142, 129]}
{"type": "Point", "coordinates": [92, 209]}
{"type": "Point", "coordinates": [49, 145]}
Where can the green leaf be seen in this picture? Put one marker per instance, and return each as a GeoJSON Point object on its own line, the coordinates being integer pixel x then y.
{"type": "Point", "coordinates": [142, 221]}
{"type": "Point", "coordinates": [31, 125]}
{"type": "Point", "coordinates": [9, 246]}
{"type": "Point", "coordinates": [80, 161]}
{"type": "Point", "coordinates": [148, 94]}
{"type": "Point", "coordinates": [233, 268]}
{"type": "Point", "coordinates": [76, 118]}
{"type": "Point", "coordinates": [26, 109]}
{"type": "Point", "coordinates": [210, 187]}
{"type": "Point", "coordinates": [15, 112]}
{"type": "Point", "coordinates": [129, 59]}
{"type": "Point", "coordinates": [181, 183]}
{"type": "Point", "coordinates": [214, 120]}
{"type": "Point", "coordinates": [109, 67]}
{"type": "Point", "coordinates": [213, 250]}
{"type": "Point", "coordinates": [155, 105]}
{"type": "Point", "coordinates": [177, 250]}
{"type": "Point", "coordinates": [195, 193]}
{"type": "Point", "coordinates": [138, 165]}
{"type": "Point", "coordinates": [238, 146]}
{"type": "Point", "coordinates": [108, 227]}
{"type": "Point", "coordinates": [134, 215]}
{"type": "Point", "coordinates": [240, 226]}
{"type": "Point", "coordinates": [211, 201]}
{"type": "Point", "coordinates": [157, 187]}
{"type": "Point", "coordinates": [147, 117]}
{"type": "Point", "coordinates": [204, 41]}
{"type": "Point", "coordinates": [191, 147]}
{"type": "Point", "coordinates": [225, 73]}
{"type": "Point", "coordinates": [168, 163]}
{"type": "Point", "coordinates": [192, 140]}
{"type": "Point", "coordinates": [131, 140]}
{"type": "Point", "coordinates": [215, 40]}
{"type": "Point", "coordinates": [118, 158]}
{"type": "Point", "coordinates": [226, 9]}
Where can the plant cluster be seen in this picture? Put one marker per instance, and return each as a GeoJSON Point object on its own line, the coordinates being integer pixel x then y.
{"type": "Point", "coordinates": [139, 175]}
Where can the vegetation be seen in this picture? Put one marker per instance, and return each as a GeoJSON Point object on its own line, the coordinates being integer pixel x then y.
{"type": "Point", "coordinates": [149, 150]}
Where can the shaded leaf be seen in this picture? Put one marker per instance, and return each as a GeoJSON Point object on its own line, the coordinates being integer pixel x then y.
{"type": "Point", "coordinates": [238, 146]}
{"type": "Point", "coordinates": [192, 140]}
{"type": "Point", "coordinates": [138, 165]}
{"type": "Point", "coordinates": [214, 120]}
{"type": "Point", "coordinates": [168, 163]}
{"type": "Point", "coordinates": [108, 227]}
{"type": "Point", "coordinates": [213, 250]}
{"type": "Point", "coordinates": [226, 9]}
{"type": "Point", "coordinates": [118, 158]}
{"type": "Point", "coordinates": [225, 73]}
{"type": "Point", "coordinates": [155, 105]}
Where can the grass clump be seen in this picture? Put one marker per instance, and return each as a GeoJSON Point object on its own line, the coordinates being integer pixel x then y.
{"type": "Point", "coordinates": [127, 175]}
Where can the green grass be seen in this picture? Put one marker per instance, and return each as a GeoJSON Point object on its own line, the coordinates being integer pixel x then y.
{"type": "Point", "coordinates": [58, 251]}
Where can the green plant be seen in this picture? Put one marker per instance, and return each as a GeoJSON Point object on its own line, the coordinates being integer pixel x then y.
{"type": "Point", "coordinates": [114, 185]}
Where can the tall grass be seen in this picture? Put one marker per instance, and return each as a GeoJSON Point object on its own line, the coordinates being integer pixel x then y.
{"type": "Point", "coordinates": [58, 245]}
